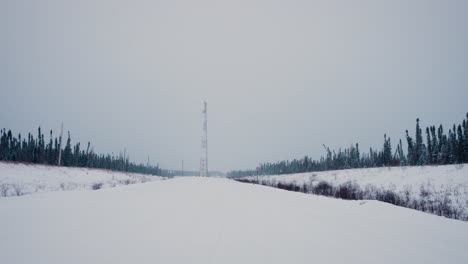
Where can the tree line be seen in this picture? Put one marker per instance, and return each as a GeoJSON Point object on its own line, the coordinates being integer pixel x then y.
{"type": "Point", "coordinates": [37, 150]}
{"type": "Point", "coordinates": [438, 148]}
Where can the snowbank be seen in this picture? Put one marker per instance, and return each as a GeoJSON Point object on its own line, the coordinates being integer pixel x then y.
{"type": "Point", "coordinates": [19, 179]}
{"type": "Point", "coordinates": [427, 188]}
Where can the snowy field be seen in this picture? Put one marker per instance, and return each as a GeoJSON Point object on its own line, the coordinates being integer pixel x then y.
{"type": "Point", "coordinates": [421, 187]}
{"type": "Point", "coordinates": [21, 179]}
{"type": "Point", "coordinates": [207, 220]}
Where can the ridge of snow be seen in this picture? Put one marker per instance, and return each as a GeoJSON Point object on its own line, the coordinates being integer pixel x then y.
{"type": "Point", "coordinates": [20, 179]}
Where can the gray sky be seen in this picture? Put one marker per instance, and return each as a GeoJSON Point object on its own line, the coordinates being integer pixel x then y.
{"type": "Point", "coordinates": [281, 77]}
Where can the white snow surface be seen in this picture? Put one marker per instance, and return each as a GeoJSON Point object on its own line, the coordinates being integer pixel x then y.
{"type": "Point", "coordinates": [397, 178]}
{"type": "Point", "coordinates": [208, 220]}
{"type": "Point", "coordinates": [20, 179]}
{"type": "Point", "coordinates": [421, 182]}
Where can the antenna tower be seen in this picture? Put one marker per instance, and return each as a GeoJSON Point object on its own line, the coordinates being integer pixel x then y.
{"type": "Point", "coordinates": [204, 145]}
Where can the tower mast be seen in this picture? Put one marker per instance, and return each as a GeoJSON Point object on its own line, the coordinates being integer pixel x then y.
{"type": "Point", "coordinates": [204, 144]}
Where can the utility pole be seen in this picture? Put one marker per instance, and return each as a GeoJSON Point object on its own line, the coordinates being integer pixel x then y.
{"type": "Point", "coordinates": [60, 145]}
{"type": "Point", "coordinates": [182, 167]}
{"type": "Point", "coordinates": [204, 144]}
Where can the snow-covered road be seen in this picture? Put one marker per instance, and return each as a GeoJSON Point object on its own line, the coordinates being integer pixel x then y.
{"type": "Point", "coordinates": [206, 220]}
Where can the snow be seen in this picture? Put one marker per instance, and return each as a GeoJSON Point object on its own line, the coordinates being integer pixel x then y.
{"type": "Point", "coordinates": [422, 182]}
{"type": "Point", "coordinates": [21, 179]}
{"type": "Point", "coordinates": [387, 177]}
{"type": "Point", "coordinates": [215, 220]}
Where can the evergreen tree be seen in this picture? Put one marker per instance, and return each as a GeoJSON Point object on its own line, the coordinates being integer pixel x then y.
{"type": "Point", "coordinates": [429, 146]}
{"type": "Point", "coordinates": [356, 157]}
{"type": "Point", "coordinates": [465, 133]}
{"type": "Point", "coordinates": [435, 145]}
{"type": "Point", "coordinates": [460, 145]}
{"type": "Point", "coordinates": [67, 152]}
{"type": "Point", "coordinates": [452, 146]}
{"type": "Point", "coordinates": [3, 145]}
{"type": "Point", "coordinates": [401, 156]}
{"type": "Point", "coordinates": [444, 155]}
{"type": "Point", "coordinates": [387, 152]}
{"type": "Point", "coordinates": [56, 151]}
{"type": "Point", "coordinates": [419, 147]}
{"type": "Point", "coordinates": [442, 148]}
{"type": "Point", "coordinates": [39, 146]}
{"type": "Point", "coordinates": [50, 150]}
{"type": "Point", "coordinates": [411, 154]}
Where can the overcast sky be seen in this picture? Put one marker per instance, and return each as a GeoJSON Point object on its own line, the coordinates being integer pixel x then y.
{"type": "Point", "coordinates": [281, 77]}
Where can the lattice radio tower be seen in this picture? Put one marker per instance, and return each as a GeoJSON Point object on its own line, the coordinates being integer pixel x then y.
{"type": "Point", "coordinates": [204, 145]}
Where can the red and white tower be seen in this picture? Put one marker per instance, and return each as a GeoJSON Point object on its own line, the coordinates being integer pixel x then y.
{"type": "Point", "coordinates": [204, 145]}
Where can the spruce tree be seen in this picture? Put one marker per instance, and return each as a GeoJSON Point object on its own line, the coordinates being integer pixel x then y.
{"type": "Point", "coordinates": [401, 155]}
{"type": "Point", "coordinates": [67, 152]}
{"type": "Point", "coordinates": [465, 135]}
{"type": "Point", "coordinates": [411, 155]}
{"type": "Point", "coordinates": [387, 152]}
{"type": "Point", "coordinates": [56, 150]}
{"type": "Point", "coordinates": [429, 146]}
{"type": "Point", "coordinates": [451, 146]}
{"type": "Point", "coordinates": [76, 154]}
{"type": "Point", "coordinates": [460, 145]}
{"type": "Point", "coordinates": [358, 157]}
{"type": "Point", "coordinates": [442, 148]}
{"type": "Point", "coordinates": [50, 150]}
{"type": "Point", "coordinates": [39, 146]}
{"type": "Point", "coordinates": [418, 148]}
{"type": "Point", "coordinates": [435, 145]}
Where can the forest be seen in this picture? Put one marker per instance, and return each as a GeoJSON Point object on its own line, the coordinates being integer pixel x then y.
{"type": "Point", "coordinates": [37, 150]}
{"type": "Point", "coordinates": [434, 147]}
